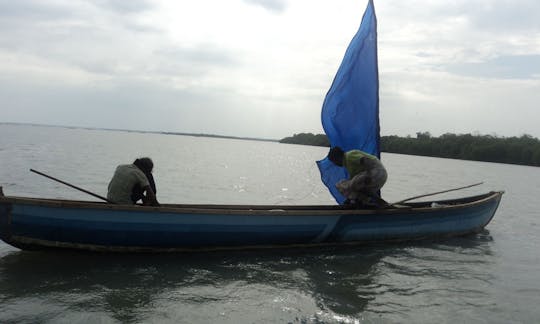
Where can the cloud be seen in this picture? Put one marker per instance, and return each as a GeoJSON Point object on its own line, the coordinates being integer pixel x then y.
{"type": "Point", "coordinates": [262, 68]}
{"type": "Point", "coordinates": [125, 7]}
{"type": "Point", "coordinates": [503, 67]}
{"type": "Point", "coordinates": [11, 11]}
{"type": "Point", "coordinates": [440, 102]}
{"type": "Point", "coordinates": [201, 54]}
{"type": "Point", "coordinates": [459, 31]}
{"type": "Point", "coordinates": [504, 16]}
{"type": "Point", "coordinates": [272, 5]}
{"type": "Point", "coordinates": [78, 35]}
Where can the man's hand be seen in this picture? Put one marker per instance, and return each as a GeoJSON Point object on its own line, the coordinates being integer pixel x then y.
{"type": "Point", "coordinates": [150, 198]}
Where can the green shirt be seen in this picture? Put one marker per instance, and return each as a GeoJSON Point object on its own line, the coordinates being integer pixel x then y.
{"type": "Point", "coordinates": [352, 162]}
{"type": "Point", "coordinates": [124, 179]}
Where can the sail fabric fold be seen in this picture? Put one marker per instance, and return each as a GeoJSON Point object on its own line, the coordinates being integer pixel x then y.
{"type": "Point", "coordinates": [350, 112]}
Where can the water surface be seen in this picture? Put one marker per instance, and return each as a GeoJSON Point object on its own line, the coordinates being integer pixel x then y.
{"type": "Point", "coordinates": [491, 277]}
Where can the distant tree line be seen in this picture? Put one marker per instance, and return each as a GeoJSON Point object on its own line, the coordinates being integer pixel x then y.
{"type": "Point", "coordinates": [307, 139]}
{"type": "Point", "coordinates": [524, 150]}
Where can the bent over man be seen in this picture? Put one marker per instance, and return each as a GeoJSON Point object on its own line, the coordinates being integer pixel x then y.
{"type": "Point", "coordinates": [367, 176]}
{"type": "Point", "coordinates": [133, 182]}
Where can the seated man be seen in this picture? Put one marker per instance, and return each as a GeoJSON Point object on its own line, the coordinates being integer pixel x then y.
{"type": "Point", "coordinates": [133, 182]}
{"type": "Point", "coordinates": [367, 175]}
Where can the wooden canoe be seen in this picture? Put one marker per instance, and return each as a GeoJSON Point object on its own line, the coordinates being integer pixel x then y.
{"type": "Point", "coordinates": [30, 223]}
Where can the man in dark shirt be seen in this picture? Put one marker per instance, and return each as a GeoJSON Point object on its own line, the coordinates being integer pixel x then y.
{"type": "Point", "coordinates": [133, 182]}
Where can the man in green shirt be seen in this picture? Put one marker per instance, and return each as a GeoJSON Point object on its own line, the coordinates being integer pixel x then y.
{"type": "Point", "coordinates": [367, 176]}
{"type": "Point", "coordinates": [132, 182]}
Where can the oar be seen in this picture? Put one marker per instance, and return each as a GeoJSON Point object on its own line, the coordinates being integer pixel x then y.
{"type": "Point", "coordinates": [434, 193]}
{"type": "Point", "coordinates": [72, 186]}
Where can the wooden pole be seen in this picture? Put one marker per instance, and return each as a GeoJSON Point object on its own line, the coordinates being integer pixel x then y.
{"type": "Point", "coordinates": [72, 186]}
{"type": "Point", "coordinates": [435, 193]}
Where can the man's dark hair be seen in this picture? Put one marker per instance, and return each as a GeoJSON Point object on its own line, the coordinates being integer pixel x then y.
{"type": "Point", "coordinates": [145, 164]}
{"type": "Point", "coordinates": [336, 155]}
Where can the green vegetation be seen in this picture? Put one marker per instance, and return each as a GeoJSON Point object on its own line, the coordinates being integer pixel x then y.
{"type": "Point", "coordinates": [307, 139]}
{"type": "Point", "coordinates": [524, 150]}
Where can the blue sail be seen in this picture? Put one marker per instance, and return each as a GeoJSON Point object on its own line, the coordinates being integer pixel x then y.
{"type": "Point", "coordinates": [350, 112]}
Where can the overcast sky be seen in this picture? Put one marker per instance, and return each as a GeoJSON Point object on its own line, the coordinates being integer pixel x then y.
{"type": "Point", "coordinates": [261, 68]}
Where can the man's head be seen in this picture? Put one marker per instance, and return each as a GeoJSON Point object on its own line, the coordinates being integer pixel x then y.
{"type": "Point", "coordinates": [336, 155]}
{"type": "Point", "coordinates": [145, 164]}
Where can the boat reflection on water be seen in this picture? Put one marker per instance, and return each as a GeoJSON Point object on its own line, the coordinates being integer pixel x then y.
{"type": "Point", "coordinates": [314, 284]}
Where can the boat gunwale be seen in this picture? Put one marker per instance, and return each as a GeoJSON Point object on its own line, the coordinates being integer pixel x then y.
{"type": "Point", "coordinates": [262, 210]}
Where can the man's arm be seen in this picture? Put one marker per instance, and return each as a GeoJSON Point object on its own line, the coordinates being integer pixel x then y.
{"type": "Point", "coordinates": [150, 198]}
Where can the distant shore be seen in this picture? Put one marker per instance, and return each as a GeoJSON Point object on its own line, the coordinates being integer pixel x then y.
{"type": "Point", "coordinates": [524, 150]}
{"type": "Point", "coordinates": [147, 132]}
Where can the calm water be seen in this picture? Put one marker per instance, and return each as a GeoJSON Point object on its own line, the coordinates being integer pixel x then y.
{"type": "Point", "coordinates": [492, 277]}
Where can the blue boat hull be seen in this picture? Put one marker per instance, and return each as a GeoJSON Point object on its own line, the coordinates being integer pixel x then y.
{"type": "Point", "coordinates": [45, 223]}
